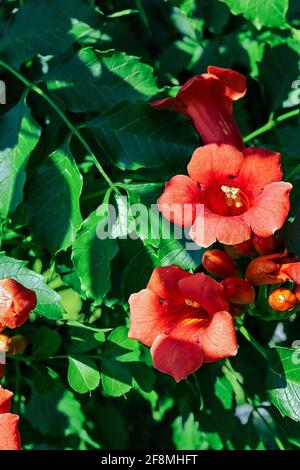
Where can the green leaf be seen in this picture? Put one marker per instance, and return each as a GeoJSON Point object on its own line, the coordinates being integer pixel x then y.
{"type": "Point", "coordinates": [84, 338]}
{"type": "Point", "coordinates": [92, 80]}
{"type": "Point", "coordinates": [134, 135]}
{"type": "Point", "coordinates": [120, 347]}
{"type": "Point", "coordinates": [291, 234]}
{"type": "Point", "coordinates": [186, 434]}
{"type": "Point", "coordinates": [19, 134]}
{"type": "Point", "coordinates": [42, 27]}
{"type": "Point", "coordinates": [270, 13]}
{"type": "Point", "coordinates": [53, 202]}
{"type": "Point", "coordinates": [48, 300]}
{"type": "Point", "coordinates": [143, 263]}
{"type": "Point", "coordinates": [92, 257]}
{"type": "Point", "coordinates": [44, 378]}
{"type": "Point", "coordinates": [283, 381]}
{"type": "Point", "coordinates": [278, 71]}
{"type": "Point", "coordinates": [116, 377]}
{"type": "Point", "coordinates": [83, 374]}
{"type": "Point", "coordinates": [45, 343]}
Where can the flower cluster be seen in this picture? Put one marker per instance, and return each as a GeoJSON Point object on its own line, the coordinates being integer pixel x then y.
{"type": "Point", "coordinates": [236, 196]}
{"type": "Point", "coordinates": [16, 303]}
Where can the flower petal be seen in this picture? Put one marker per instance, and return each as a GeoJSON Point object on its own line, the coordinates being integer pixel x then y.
{"type": "Point", "coordinates": [204, 290]}
{"type": "Point", "coordinates": [178, 202]}
{"type": "Point", "coordinates": [164, 280]}
{"type": "Point", "coordinates": [176, 357]}
{"type": "Point", "coordinates": [148, 316]}
{"type": "Point", "coordinates": [9, 434]}
{"type": "Point", "coordinates": [218, 339]}
{"type": "Point", "coordinates": [5, 399]}
{"type": "Point", "coordinates": [269, 210]}
{"type": "Point", "coordinates": [212, 227]}
{"type": "Point", "coordinates": [260, 168]}
{"type": "Point", "coordinates": [234, 82]}
{"type": "Point", "coordinates": [215, 162]}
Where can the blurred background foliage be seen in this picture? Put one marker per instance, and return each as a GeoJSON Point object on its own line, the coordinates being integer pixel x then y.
{"type": "Point", "coordinates": [82, 384]}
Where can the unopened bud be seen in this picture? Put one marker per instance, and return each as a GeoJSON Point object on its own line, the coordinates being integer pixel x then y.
{"type": "Point", "coordinates": [268, 245]}
{"type": "Point", "coordinates": [282, 299]}
{"type": "Point", "coordinates": [239, 291]}
{"type": "Point", "coordinates": [2, 371]}
{"type": "Point", "coordinates": [236, 310]}
{"type": "Point", "coordinates": [4, 343]}
{"type": "Point", "coordinates": [18, 344]}
{"type": "Point", "coordinates": [219, 263]}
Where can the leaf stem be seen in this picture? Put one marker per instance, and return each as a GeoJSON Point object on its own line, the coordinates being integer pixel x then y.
{"type": "Point", "coordinates": [62, 115]}
{"type": "Point", "coordinates": [272, 122]}
{"type": "Point", "coordinates": [253, 341]}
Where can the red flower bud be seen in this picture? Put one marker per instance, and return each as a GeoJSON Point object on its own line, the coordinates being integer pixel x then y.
{"type": "Point", "coordinates": [16, 302]}
{"type": "Point", "coordinates": [269, 245]}
{"type": "Point", "coordinates": [273, 269]}
{"type": "Point", "coordinates": [244, 249]}
{"type": "Point", "coordinates": [239, 291]}
{"type": "Point", "coordinates": [219, 263]}
{"type": "Point", "coordinates": [282, 299]}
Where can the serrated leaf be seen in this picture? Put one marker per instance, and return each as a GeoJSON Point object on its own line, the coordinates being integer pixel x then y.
{"type": "Point", "coordinates": [283, 381]}
{"type": "Point", "coordinates": [19, 134]}
{"type": "Point", "coordinates": [45, 342]}
{"type": "Point", "coordinates": [83, 374]}
{"type": "Point", "coordinates": [53, 201]}
{"type": "Point", "coordinates": [42, 27]}
{"type": "Point", "coordinates": [92, 80]}
{"type": "Point", "coordinates": [92, 257]}
{"type": "Point", "coordinates": [48, 300]}
{"type": "Point", "coordinates": [134, 135]}
{"type": "Point", "coordinates": [270, 13]}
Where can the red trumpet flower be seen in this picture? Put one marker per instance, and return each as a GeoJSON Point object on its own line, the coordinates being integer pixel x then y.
{"type": "Point", "coordinates": [241, 193]}
{"type": "Point", "coordinates": [184, 319]}
{"type": "Point", "coordinates": [9, 434]}
{"type": "Point", "coordinates": [207, 100]}
{"type": "Point", "coordinates": [273, 269]}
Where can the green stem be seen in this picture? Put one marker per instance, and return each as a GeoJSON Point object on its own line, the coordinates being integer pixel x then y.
{"type": "Point", "coordinates": [271, 124]}
{"type": "Point", "coordinates": [253, 341]}
{"type": "Point", "coordinates": [293, 173]}
{"type": "Point", "coordinates": [62, 115]}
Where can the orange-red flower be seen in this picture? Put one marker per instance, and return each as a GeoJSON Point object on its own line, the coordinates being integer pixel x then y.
{"type": "Point", "coordinates": [207, 100]}
{"type": "Point", "coordinates": [9, 433]}
{"type": "Point", "coordinates": [16, 302]}
{"type": "Point", "coordinates": [241, 192]}
{"type": "Point", "coordinates": [273, 269]}
{"type": "Point", "coordinates": [184, 319]}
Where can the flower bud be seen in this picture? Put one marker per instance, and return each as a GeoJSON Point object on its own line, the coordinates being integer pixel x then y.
{"type": "Point", "coordinates": [16, 303]}
{"type": "Point", "coordinates": [268, 245]}
{"type": "Point", "coordinates": [17, 345]}
{"type": "Point", "coordinates": [282, 299]}
{"type": "Point", "coordinates": [263, 270]}
{"type": "Point", "coordinates": [239, 291]}
{"type": "Point", "coordinates": [219, 263]}
{"type": "Point", "coordinates": [242, 249]}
